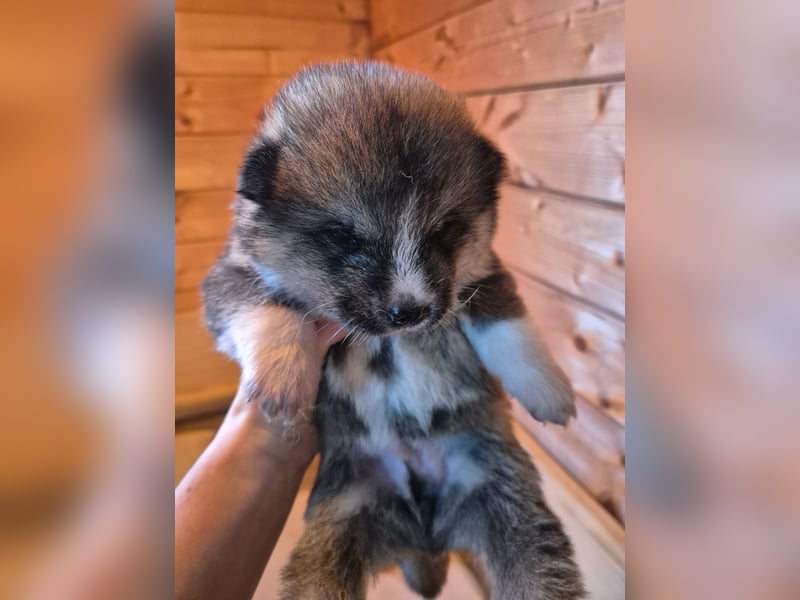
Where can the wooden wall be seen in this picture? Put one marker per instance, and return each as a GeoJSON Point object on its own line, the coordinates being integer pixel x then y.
{"type": "Point", "coordinates": [230, 55]}
{"type": "Point", "coordinates": [545, 80]}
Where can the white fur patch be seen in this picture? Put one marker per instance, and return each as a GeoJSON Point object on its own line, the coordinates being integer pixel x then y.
{"type": "Point", "coordinates": [269, 277]}
{"type": "Point", "coordinates": [462, 472]}
{"type": "Point", "coordinates": [409, 279]}
{"type": "Point", "coordinates": [512, 350]}
{"type": "Point", "coordinates": [419, 388]}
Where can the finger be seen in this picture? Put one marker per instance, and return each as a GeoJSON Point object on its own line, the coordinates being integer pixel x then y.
{"type": "Point", "coordinates": [330, 332]}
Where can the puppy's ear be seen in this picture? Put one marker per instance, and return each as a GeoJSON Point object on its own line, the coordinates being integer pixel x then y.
{"type": "Point", "coordinates": [492, 166]}
{"type": "Point", "coordinates": [257, 174]}
{"type": "Point", "coordinates": [492, 159]}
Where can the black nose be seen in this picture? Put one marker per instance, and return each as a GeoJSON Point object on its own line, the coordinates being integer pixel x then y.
{"type": "Point", "coordinates": [405, 315]}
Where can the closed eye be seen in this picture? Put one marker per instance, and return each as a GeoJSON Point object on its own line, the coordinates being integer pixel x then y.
{"type": "Point", "coordinates": [449, 232]}
{"type": "Point", "coordinates": [343, 238]}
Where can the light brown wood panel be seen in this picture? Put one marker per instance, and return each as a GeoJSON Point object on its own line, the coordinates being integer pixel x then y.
{"type": "Point", "coordinates": [205, 380]}
{"type": "Point", "coordinates": [207, 30]}
{"type": "Point", "coordinates": [597, 476]}
{"type": "Point", "coordinates": [588, 344]}
{"type": "Point", "coordinates": [205, 61]}
{"type": "Point", "coordinates": [220, 104]}
{"type": "Point", "coordinates": [342, 10]}
{"type": "Point", "coordinates": [391, 20]}
{"type": "Point", "coordinates": [273, 63]}
{"type": "Point", "coordinates": [574, 245]}
{"type": "Point", "coordinates": [605, 435]}
{"type": "Point", "coordinates": [589, 450]}
{"type": "Point", "coordinates": [584, 508]}
{"type": "Point", "coordinates": [193, 261]}
{"type": "Point", "coordinates": [509, 43]}
{"type": "Point", "coordinates": [567, 139]}
{"type": "Point", "coordinates": [187, 300]}
{"type": "Point", "coordinates": [208, 162]}
{"type": "Point", "coordinates": [202, 216]}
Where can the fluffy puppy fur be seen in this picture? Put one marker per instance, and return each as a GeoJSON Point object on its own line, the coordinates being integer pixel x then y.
{"type": "Point", "coordinates": [369, 198]}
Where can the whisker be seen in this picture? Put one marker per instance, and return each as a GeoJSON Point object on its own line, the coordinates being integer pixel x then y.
{"type": "Point", "coordinates": [339, 330]}
{"type": "Point", "coordinates": [303, 318]}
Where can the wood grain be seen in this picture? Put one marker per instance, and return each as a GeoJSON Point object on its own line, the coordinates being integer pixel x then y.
{"type": "Point", "coordinates": [585, 509]}
{"type": "Point", "coordinates": [187, 301]}
{"type": "Point", "coordinates": [391, 20]}
{"type": "Point", "coordinates": [272, 63]}
{"type": "Point", "coordinates": [202, 216]}
{"type": "Point", "coordinates": [208, 162]}
{"type": "Point", "coordinates": [207, 30]}
{"type": "Point", "coordinates": [591, 449]}
{"type": "Point", "coordinates": [588, 344]}
{"type": "Point", "coordinates": [512, 43]}
{"type": "Point", "coordinates": [193, 261]}
{"type": "Point", "coordinates": [205, 380]}
{"type": "Point", "coordinates": [574, 245]}
{"type": "Point", "coordinates": [339, 10]}
{"type": "Point", "coordinates": [220, 104]}
{"type": "Point", "coordinates": [567, 139]}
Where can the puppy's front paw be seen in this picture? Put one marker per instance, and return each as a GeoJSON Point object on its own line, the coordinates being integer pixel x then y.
{"type": "Point", "coordinates": [512, 351]}
{"type": "Point", "coordinates": [280, 359]}
{"type": "Point", "coordinates": [548, 395]}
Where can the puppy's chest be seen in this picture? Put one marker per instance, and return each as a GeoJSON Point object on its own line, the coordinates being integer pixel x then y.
{"type": "Point", "coordinates": [400, 387]}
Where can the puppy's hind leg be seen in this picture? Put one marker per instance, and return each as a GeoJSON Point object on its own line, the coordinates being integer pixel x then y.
{"type": "Point", "coordinates": [329, 563]}
{"type": "Point", "coordinates": [346, 540]}
{"type": "Point", "coordinates": [508, 526]}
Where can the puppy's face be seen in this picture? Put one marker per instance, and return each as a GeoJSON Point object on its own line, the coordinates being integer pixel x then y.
{"type": "Point", "coordinates": [368, 198]}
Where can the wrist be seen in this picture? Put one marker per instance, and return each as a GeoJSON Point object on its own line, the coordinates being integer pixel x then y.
{"type": "Point", "coordinates": [290, 442]}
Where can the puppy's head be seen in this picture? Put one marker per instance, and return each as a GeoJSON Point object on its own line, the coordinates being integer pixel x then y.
{"type": "Point", "coordinates": [368, 197]}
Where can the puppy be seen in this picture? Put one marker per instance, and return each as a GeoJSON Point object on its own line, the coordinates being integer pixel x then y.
{"type": "Point", "coordinates": [368, 197]}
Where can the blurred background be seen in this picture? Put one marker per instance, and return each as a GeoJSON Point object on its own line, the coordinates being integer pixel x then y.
{"type": "Point", "coordinates": [86, 308]}
{"type": "Point", "coordinates": [545, 81]}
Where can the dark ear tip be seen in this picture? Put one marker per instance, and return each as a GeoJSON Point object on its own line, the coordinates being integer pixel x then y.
{"type": "Point", "coordinates": [490, 155]}
{"type": "Point", "coordinates": [257, 174]}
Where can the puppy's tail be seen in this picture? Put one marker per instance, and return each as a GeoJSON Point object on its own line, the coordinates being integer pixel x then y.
{"type": "Point", "coordinates": [425, 573]}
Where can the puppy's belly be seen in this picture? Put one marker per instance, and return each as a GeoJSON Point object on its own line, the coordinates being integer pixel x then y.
{"type": "Point", "coordinates": [441, 463]}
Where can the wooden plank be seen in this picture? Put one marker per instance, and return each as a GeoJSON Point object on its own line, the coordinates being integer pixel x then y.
{"type": "Point", "coordinates": [272, 63]}
{"type": "Point", "coordinates": [187, 300]}
{"type": "Point", "coordinates": [588, 344]}
{"type": "Point", "coordinates": [221, 104]}
{"type": "Point", "coordinates": [205, 380]}
{"type": "Point", "coordinates": [202, 216]}
{"type": "Point", "coordinates": [567, 139]}
{"type": "Point", "coordinates": [592, 450]}
{"type": "Point", "coordinates": [585, 510]}
{"type": "Point", "coordinates": [193, 261]}
{"type": "Point", "coordinates": [204, 61]}
{"type": "Point", "coordinates": [206, 30]}
{"type": "Point", "coordinates": [391, 20]}
{"type": "Point", "coordinates": [511, 43]}
{"type": "Point", "coordinates": [339, 10]}
{"type": "Point", "coordinates": [209, 162]}
{"type": "Point", "coordinates": [574, 245]}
